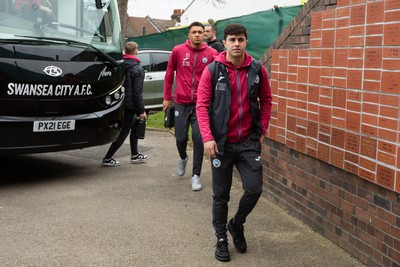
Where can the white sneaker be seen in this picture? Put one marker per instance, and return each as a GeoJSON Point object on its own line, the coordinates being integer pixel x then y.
{"type": "Point", "coordinates": [196, 185]}
{"type": "Point", "coordinates": [181, 168]}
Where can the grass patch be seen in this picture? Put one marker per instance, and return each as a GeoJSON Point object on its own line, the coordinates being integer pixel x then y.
{"type": "Point", "coordinates": [156, 120]}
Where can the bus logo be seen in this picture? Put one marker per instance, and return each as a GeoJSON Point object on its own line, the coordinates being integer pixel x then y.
{"type": "Point", "coordinates": [104, 73]}
{"type": "Point", "coordinates": [52, 71]}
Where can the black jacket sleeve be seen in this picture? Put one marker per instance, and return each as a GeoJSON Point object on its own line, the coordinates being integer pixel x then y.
{"type": "Point", "coordinates": [134, 80]}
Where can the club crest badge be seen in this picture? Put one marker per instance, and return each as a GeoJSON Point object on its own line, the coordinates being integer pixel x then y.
{"type": "Point", "coordinates": [216, 163]}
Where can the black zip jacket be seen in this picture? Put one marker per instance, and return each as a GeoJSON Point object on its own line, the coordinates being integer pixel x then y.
{"type": "Point", "coordinates": [134, 79]}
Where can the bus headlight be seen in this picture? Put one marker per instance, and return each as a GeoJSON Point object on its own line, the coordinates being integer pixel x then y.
{"type": "Point", "coordinates": [114, 96]}
{"type": "Point", "coordinates": [117, 95]}
{"type": "Point", "coordinates": [108, 100]}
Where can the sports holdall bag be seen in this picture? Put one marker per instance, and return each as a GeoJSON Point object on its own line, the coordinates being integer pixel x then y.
{"type": "Point", "coordinates": [169, 117]}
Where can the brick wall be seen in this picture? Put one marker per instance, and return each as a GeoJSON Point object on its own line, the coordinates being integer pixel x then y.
{"type": "Point", "coordinates": [359, 216]}
{"type": "Point", "coordinates": [332, 154]}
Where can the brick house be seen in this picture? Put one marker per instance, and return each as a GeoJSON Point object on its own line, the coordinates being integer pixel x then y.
{"type": "Point", "coordinates": [138, 26]}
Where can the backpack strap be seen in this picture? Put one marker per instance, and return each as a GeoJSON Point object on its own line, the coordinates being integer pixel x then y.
{"type": "Point", "coordinates": [256, 66]}
{"type": "Point", "coordinates": [216, 70]}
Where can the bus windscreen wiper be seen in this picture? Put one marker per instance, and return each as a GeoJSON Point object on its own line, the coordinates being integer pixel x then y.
{"type": "Point", "coordinates": [96, 33]}
{"type": "Point", "coordinates": [72, 42]}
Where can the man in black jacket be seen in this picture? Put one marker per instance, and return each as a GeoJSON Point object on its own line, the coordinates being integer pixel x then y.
{"type": "Point", "coordinates": [134, 107]}
{"type": "Point", "coordinates": [210, 32]}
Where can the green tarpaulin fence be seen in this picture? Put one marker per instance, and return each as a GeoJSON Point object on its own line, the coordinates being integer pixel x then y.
{"type": "Point", "coordinates": [263, 29]}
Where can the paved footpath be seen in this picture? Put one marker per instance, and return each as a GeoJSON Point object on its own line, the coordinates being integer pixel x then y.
{"type": "Point", "coordinates": [180, 221]}
{"type": "Point", "coordinates": [81, 214]}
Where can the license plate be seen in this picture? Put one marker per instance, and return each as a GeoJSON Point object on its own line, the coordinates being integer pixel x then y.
{"type": "Point", "coordinates": [52, 126]}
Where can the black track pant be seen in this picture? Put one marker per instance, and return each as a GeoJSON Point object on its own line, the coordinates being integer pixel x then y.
{"type": "Point", "coordinates": [185, 115]}
{"type": "Point", "coordinates": [128, 125]}
{"type": "Point", "coordinates": [246, 157]}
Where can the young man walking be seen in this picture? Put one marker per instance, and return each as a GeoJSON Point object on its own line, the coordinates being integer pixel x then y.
{"type": "Point", "coordinates": [134, 107]}
{"type": "Point", "coordinates": [187, 63]}
{"type": "Point", "coordinates": [233, 110]}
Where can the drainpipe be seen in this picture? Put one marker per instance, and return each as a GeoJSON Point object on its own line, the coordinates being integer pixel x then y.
{"type": "Point", "coordinates": [280, 24]}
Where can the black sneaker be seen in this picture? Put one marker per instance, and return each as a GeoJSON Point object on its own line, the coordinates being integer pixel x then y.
{"type": "Point", "coordinates": [139, 158]}
{"type": "Point", "coordinates": [110, 163]}
{"type": "Point", "coordinates": [238, 236]}
{"type": "Point", "coordinates": [221, 250]}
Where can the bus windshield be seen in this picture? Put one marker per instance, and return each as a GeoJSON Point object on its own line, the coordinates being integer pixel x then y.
{"type": "Point", "coordinates": [85, 21]}
{"type": "Point", "coordinates": [61, 75]}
